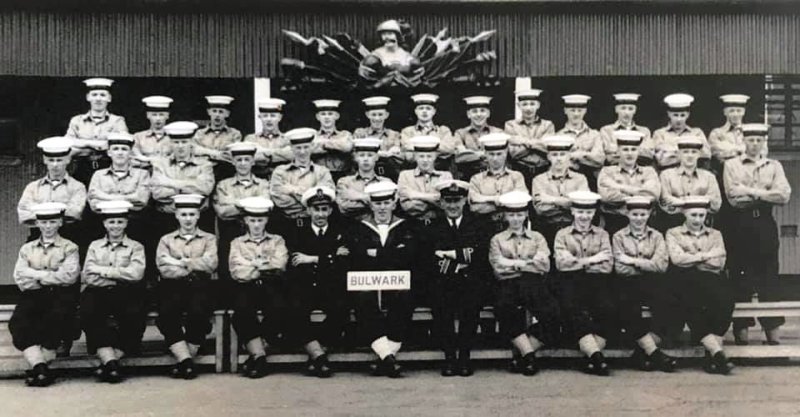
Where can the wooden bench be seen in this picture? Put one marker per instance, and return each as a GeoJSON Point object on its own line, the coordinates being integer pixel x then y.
{"type": "Point", "coordinates": [12, 362]}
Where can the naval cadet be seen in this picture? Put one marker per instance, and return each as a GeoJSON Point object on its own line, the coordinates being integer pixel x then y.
{"type": "Point", "coordinates": [526, 151]}
{"type": "Point", "coordinates": [469, 156]}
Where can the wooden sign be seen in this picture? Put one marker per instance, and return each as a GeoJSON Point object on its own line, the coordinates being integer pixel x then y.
{"type": "Point", "coordinates": [378, 280]}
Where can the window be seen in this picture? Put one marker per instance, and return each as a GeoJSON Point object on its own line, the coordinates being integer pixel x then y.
{"type": "Point", "coordinates": [782, 109]}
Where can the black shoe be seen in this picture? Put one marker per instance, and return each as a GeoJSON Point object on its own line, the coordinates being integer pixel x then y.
{"type": "Point", "coordinates": [596, 365]}
{"type": "Point", "coordinates": [186, 369]}
{"type": "Point", "coordinates": [718, 364]}
{"type": "Point", "coordinates": [63, 349]}
{"type": "Point", "coordinates": [391, 367]}
{"type": "Point", "coordinates": [248, 363]}
{"type": "Point", "coordinates": [322, 368]}
{"type": "Point", "coordinates": [465, 368]}
{"type": "Point", "coordinates": [258, 368]}
{"type": "Point", "coordinates": [663, 362]}
{"type": "Point", "coordinates": [641, 360]}
{"type": "Point", "coordinates": [111, 372]}
{"type": "Point", "coordinates": [449, 366]}
{"type": "Point", "coordinates": [515, 366]}
{"type": "Point", "coordinates": [30, 378]}
{"type": "Point", "coordinates": [376, 368]}
{"type": "Point", "coordinates": [772, 342]}
{"type": "Point", "coordinates": [41, 376]}
{"type": "Point", "coordinates": [529, 365]}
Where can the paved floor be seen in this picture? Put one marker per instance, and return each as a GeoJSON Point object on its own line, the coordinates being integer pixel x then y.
{"type": "Point", "coordinates": [753, 391]}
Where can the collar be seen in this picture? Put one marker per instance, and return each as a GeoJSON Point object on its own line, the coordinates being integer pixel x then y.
{"type": "Point", "coordinates": [728, 127]}
{"type": "Point", "coordinates": [636, 170]}
{"type": "Point", "coordinates": [373, 178]}
{"type": "Point", "coordinates": [458, 221]}
{"type": "Point", "coordinates": [270, 135]}
{"type": "Point", "coordinates": [647, 233]}
{"type": "Point", "coordinates": [47, 180]}
{"type": "Point", "coordinates": [473, 129]}
{"type": "Point", "coordinates": [327, 134]}
{"type": "Point", "coordinates": [686, 129]}
{"type": "Point", "coordinates": [748, 160]}
{"type": "Point", "coordinates": [685, 230]}
{"type": "Point", "coordinates": [418, 173]}
{"type": "Point", "coordinates": [553, 176]}
{"type": "Point", "coordinates": [425, 128]}
{"type": "Point", "coordinates": [682, 171]}
{"type": "Point", "coordinates": [174, 161]}
{"type": "Point", "coordinates": [57, 242]}
{"type": "Point", "coordinates": [373, 132]}
{"type": "Point", "coordinates": [294, 165]}
{"type": "Point", "coordinates": [152, 133]}
{"type": "Point", "coordinates": [89, 118]}
{"type": "Point", "coordinates": [536, 120]}
{"type": "Point", "coordinates": [208, 129]}
{"type": "Point", "coordinates": [194, 236]}
{"type": "Point", "coordinates": [503, 172]}
{"type": "Point", "coordinates": [316, 229]}
{"type": "Point", "coordinates": [619, 126]}
{"type": "Point", "coordinates": [370, 222]}
{"type": "Point", "coordinates": [525, 233]}
{"type": "Point", "coordinates": [124, 242]}
{"type": "Point", "coordinates": [267, 236]}
{"type": "Point", "coordinates": [584, 127]}
{"type": "Point", "coordinates": [252, 178]}
{"type": "Point", "coordinates": [111, 172]}
{"type": "Point", "coordinates": [573, 230]}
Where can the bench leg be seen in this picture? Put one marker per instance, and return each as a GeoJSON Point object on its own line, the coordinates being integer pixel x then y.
{"type": "Point", "coordinates": [219, 339]}
{"type": "Point", "coordinates": [234, 346]}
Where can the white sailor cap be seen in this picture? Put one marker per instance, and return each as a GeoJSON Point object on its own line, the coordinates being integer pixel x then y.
{"type": "Point", "coordinates": [181, 130]}
{"type": "Point", "coordinates": [381, 190]}
{"type": "Point", "coordinates": [55, 146]}
{"type": "Point", "coordinates": [319, 195]}
{"type": "Point", "coordinates": [628, 137]}
{"type": "Point", "coordinates": [639, 202]}
{"type": "Point", "coordinates": [528, 94]}
{"type": "Point", "coordinates": [576, 100]}
{"type": "Point", "coordinates": [515, 200]}
{"type": "Point", "coordinates": [477, 101]}
{"type": "Point", "coordinates": [271, 105]}
{"type": "Point", "coordinates": [98, 84]}
{"type": "Point", "coordinates": [425, 143]}
{"type": "Point", "coordinates": [583, 199]}
{"type": "Point", "coordinates": [255, 206]}
{"type": "Point", "coordinates": [157, 103]}
{"type": "Point", "coordinates": [695, 201]}
{"type": "Point", "coordinates": [558, 142]}
{"type": "Point", "coordinates": [626, 98]}
{"type": "Point", "coordinates": [494, 141]}
{"type": "Point", "coordinates": [120, 138]}
{"type": "Point", "coordinates": [389, 26]}
{"type": "Point", "coordinates": [690, 142]}
{"type": "Point", "coordinates": [376, 102]}
{"type": "Point", "coordinates": [49, 210]}
{"type": "Point", "coordinates": [300, 135]}
{"type": "Point", "coordinates": [678, 101]}
{"type": "Point", "coordinates": [370, 144]}
{"type": "Point", "coordinates": [114, 208]}
{"type": "Point", "coordinates": [734, 100]}
{"type": "Point", "coordinates": [451, 189]}
{"type": "Point", "coordinates": [420, 99]}
{"type": "Point", "coordinates": [326, 104]}
{"type": "Point", "coordinates": [188, 200]}
{"type": "Point", "coordinates": [222, 102]}
{"type": "Point", "coordinates": [755, 129]}
{"type": "Point", "coordinates": [242, 148]}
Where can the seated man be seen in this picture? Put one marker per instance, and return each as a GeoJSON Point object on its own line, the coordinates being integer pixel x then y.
{"type": "Point", "coordinates": [112, 302]}
{"type": "Point", "coordinates": [45, 272]}
{"type": "Point", "coordinates": [526, 152]}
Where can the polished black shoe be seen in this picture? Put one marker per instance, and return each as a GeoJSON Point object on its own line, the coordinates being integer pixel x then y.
{"type": "Point", "coordinates": [641, 360]}
{"type": "Point", "coordinates": [465, 368]}
{"type": "Point", "coordinates": [248, 363]}
{"type": "Point", "coordinates": [186, 369]}
{"type": "Point", "coordinates": [376, 368]}
{"type": "Point", "coordinates": [30, 378]}
{"type": "Point", "coordinates": [40, 376]}
{"type": "Point", "coordinates": [663, 362]}
{"type": "Point", "coordinates": [515, 365]}
{"type": "Point", "coordinates": [258, 368]}
{"type": "Point", "coordinates": [391, 367]}
{"type": "Point", "coordinates": [718, 364]}
{"type": "Point", "coordinates": [322, 367]}
{"type": "Point", "coordinates": [596, 365]}
{"type": "Point", "coordinates": [111, 372]}
{"type": "Point", "coordinates": [529, 365]}
{"type": "Point", "coordinates": [449, 367]}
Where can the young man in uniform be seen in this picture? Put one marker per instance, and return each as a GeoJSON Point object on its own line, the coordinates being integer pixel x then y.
{"type": "Point", "coordinates": [640, 260]}
{"type": "Point", "coordinates": [273, 147]}
{"type": "Point", "coordinates": [88, 131]}
{"type": "Point", "coordinates": [520, 260]}
{"type": "Point", "coordinates": [186, 260]}
{"type": "Point", "coordinates": [755, 184]}
{"type": "Point", "coordinates": [456, 257]}
{"type": "Point", "coordinates": [526, 151]}
{"type": "Point", "coordinates": [153, 142]}
{"type": "Point", "coordinates": [726, 141]}
{"type": "Point", "coordinates": [587, 155]}
{"type": "Point", "coordinates": [212, 140]}
{"type": "Point", "coordinates": [487, 186]}
{"type": "Point", "coordinates": [625, 179]}
{"type": "Point", "coordinates": [665, 139]}
{"type": "Point", "coordinates": [46, 271]}
{"type": "Point", "coordinates": [700, 293]}
{"type": "Point", "coordinates": [332, 146]}
{"type": "Point", "coordinates": [625, 106]}
{"type": "Point", "coordinates": [425, 110]}
{"type": "Point", "coordinates": [112, 302]}
{"type": "Point", "coordinates": [257, 264]}
{"type": "Point", "coordinates": [417, 187]}
{"type": "Point", "coordinates": [353, 203]}
{"type": "Point", "coordinates": [586, 295]}
{"type": "Point", "coordinates": [469, 156]}
{"type": "Point", "coordinates": [384, 242]}
{"type": "Point", "coordinates": [391, 155]}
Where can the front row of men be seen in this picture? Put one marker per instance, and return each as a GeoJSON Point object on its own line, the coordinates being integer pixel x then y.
{"type": "Point", "coordinates": [589, 288]}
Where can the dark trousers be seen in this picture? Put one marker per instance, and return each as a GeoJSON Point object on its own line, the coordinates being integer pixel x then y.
{"type": "Point", "coordinates": [637, 291]}
{"type": "Point", "coordinates": [112, 316]}
{"type": "Point", "coordinates": [465, 171]}
{"type": "Point", "coordinates": [185, 308]}
{"type": "Point", "coordinates": [326, 293]}
{"type": "Point", "coordinates": [528, 293]}
{"type": "Point", "coordinates": [82, 168]}
{"type": "Point", "coordinates": [373, 322]}
{"type": "Point", "coordinates": [587, 304]}
{"type": "Point", "coordinates": [285, 226]}
{"type": "Point", "coordinates": [456, 297]}
{"type": "Point", "coordinates": [43, 317]}
{"type": "Point", "coordinates": [703, 300]}
{"type": "Point", "coordinates": [529, 172]}
{"type": "Point", "coordinates": [270, 297]}
{"type": "Point", "coordinates": [614, 222]}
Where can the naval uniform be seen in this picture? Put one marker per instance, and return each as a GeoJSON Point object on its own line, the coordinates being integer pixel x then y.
{"type": "Point", "coordinates": [390, 165]}
{"type": "Point", "coordinates": [587, 140]}
{"type": "Point", "coordinates": [85, 161]}
{"type": "Point", "coordinates": [287, 185]}
{"type": "Point", "coordinates": [527, 154]}
{"type": "Point", "coordinates": [467, 138]}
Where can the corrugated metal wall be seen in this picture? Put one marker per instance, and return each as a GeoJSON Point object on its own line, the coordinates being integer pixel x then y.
{"type": "Point", "coordinates": [790, 215]}
{"type": "Point", "coordinates": [248, 45]}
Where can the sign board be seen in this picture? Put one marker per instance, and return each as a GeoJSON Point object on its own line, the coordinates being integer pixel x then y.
{"type": "Point", "coordinates": [378, 280]}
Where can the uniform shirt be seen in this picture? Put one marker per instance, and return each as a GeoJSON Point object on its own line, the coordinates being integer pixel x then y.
{"type": "Point", "coordinates": [649, 247]}
{"type": "Point", "coordinates": [389, 138]}
{"type": "Point", "coordinates": [547, 184]}
{"type": "Point", "coordinates": [332, 150]}
{"type": "Point", "coordinates": [571, 244]}
{"type": "Point", "coordinates": [416, 180]}
{"type": "Point", "coordinates": [612, 176]}
{"type": "Point", "coordinates": [394, 246]}
{"type": "Point", "coordinates": [761, 173]}
{"type": "Point", "coordinates": [677, 183]}
{"type": "Point", "coordinates": [68, 191]}
{"type": "Point", "coordinates": [83, 126]}
{"type": "Point", "coordinates": [290, 181]}
{"type": "Point", "coordinates": [665, 141]}
{"type": "Point", "coordinates": [446, 147]}
{"type": "Point", "coordinates": [198, 172]}
{"type": "Point", "coordinates": [726, 142]}
{"type": "Point", "coordinates": [610, 143]}
{"type": "Point", "coordinates": [276, 142]}
{"type": "Point", "coordinates": [467, 137]}
{"type": "Point", "coordinates": [464, 236]}
{"type": "Point", "coordinates": [198, 250]}
{"type": "Point", "coordinates": [246, 252]}
{"type": "Point", "coordinates": [132, 186]}
{"type": "Point", "coordinates": [150, 144]}
{"type": "Point", "coordinates": [527, 245]}
{"type": "Point", "coordinates": [588, 140]}
{"type": "Point", "coordinates": [217, 139]}
{"type": "Point", "coordinates": [489, 184]}
{"type": "Point", "coordinates": [684, 246]}
{"type": "Point", "coordinates": [230, 190]}
{"type": "Point", "coordinates": [53, 264]}
{"type": "Point", "coordinates": [528, 136]}
{"type": "Point", "coordinates": [116, 261]}
{"type": "Point", "coordinates": [350, 207]}
{"type": "Point", "coordinates": [330, 267]}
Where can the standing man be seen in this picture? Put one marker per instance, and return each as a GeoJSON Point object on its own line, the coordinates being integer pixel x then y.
{"type": "Point", "coordinates": [153, 142]}
{"type": "Point", "coordinates": [755, 184]}
{"type": "Point", "coordinates": [46, 271]}
{"type": "Point", "coordinates": [419, 198]}
{"type": "Point", "coordinates": [391, 155]}
{"type": "Point", "coordinates": [273, 147]}
{"type": "Point", "coordinates": [469, 157]}
{"type": "Point", "coordinates": [332, 146]}
{"type": "Point", "coordinates": [526, 149]}
{"type": "Point", "coordinates": [665, 139]}
{"type": "Point", "coordinates": [486, 187]}
{"type": "Point", "coordinates": [351, 199]}
{"type": "Point", "coordinates": [88, 131]}
{"type": "Point", "coordinates": [211, 141]}
{"type": "Point", "coordinates": [625, 106]}
{"type": "Point", "coordinates": [726, 141]}
{"type": "Point", "coordinates": [425, 110]}
{"type": "Point", "coordinates": [587, 155]}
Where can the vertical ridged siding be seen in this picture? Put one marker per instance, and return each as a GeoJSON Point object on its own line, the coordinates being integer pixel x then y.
{"type": "Point", "coordinates": [790, 215]}
{"type": "Point", "coordinates": [528, 44]}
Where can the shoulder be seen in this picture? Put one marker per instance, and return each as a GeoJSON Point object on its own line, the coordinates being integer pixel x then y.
{"type": "Point", "coordinates": [564, 231]}
{"type": "Point", "coordinates": [205, 235]}
{"type": "Point", "coordinates": [705, 173]}
{"type": "Point", "coordinates": [115, 117]}
{"type": "Point", "coordinates": [536, 235]}
{"type": "Point", "coordinates": [600, 231]}
{"type": "Point", "coordinates": [77, 118]}
{"type": "Point", "coordinates": [500, 236]}
{"type": "Point", "coordinates": [69, 245]}
{"type": "Point", "coordinates": [139, 172]}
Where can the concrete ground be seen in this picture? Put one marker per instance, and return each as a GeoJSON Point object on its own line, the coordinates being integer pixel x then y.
{"type": "Point", "coordinates": [752, 391]}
